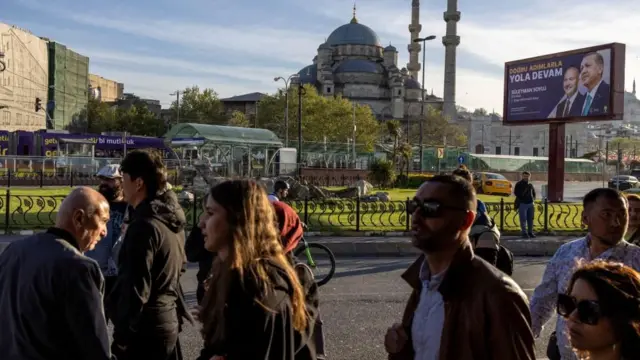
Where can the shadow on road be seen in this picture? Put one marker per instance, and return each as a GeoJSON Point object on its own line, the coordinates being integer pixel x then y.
{"type": "Point", "coordinates": [372, 270]}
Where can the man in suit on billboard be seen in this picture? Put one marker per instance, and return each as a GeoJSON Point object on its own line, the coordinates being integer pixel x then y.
{"type": "Point", "coordinates": [570, 105]}
{"type": "Point", "coordinates": [596, 100]}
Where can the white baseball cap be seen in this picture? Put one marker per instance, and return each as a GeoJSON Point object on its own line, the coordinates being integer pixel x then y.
{"type": "Point", "coordinates": [111, 171]}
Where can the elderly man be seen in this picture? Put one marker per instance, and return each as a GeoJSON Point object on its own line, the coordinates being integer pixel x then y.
{"type": "Point", "coordinates": [111, 188]}
{"type": "Point", "coordinates": [50, 293]}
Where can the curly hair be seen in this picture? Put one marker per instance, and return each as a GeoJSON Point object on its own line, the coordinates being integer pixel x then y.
{"type": "Point", "coordinates": [618, 289]}
{"type": "Point", "coordinates": [254, 239]}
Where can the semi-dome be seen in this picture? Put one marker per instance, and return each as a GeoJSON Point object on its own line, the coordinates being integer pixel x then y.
{"type": "Point", "coordinates": [412, 83]}
{"type": "Point", "coordinates": [353, 33]}
{"type": "Point", "coordinates": [358, 65]}
{"type": "Point", "coordinates": [308, 74]}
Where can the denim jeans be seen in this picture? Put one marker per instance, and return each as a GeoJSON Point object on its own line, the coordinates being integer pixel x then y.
{"type": "Point", "coordinates": [525, 211]}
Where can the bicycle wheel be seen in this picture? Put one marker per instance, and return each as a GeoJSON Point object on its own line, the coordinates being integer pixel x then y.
{"type": "Point", "coordinates": [320, 252]}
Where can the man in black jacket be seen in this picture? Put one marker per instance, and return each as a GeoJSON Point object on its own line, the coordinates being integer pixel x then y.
{"type": "Point", "coordinates": [525, 195]}
{"type": "Point", "coordinates": [197, 253]}
{"type": "Point", "coordinates": [147, 303]}
{"type": "Point", "coordinates": [50, 293]}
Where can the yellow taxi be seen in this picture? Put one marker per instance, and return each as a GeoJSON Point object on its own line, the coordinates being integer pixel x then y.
{"type": "Point", "coordinates": [492, 184]}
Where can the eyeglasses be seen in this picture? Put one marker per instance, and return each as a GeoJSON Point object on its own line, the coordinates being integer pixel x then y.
{"type": "Point", "coordinates": [429, 208]}
{"type": "Point", "coordinates": [589, 311]}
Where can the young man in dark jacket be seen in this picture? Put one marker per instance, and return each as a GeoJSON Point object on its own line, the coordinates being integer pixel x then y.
{"type": "Point", "coordinates": [147, 304]}
{"type": "Point", "coordinates": [525, 195]}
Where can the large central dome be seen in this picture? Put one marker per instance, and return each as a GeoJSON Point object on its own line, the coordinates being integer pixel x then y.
{"type": "Point", "coordinates": [353, 33]}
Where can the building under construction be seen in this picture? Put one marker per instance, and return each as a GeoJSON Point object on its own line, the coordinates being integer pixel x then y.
{"type": "Point", "coordinates": [68, 86]}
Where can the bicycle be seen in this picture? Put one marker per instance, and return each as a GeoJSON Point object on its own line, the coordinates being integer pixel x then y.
{"type": "Point", "coordinates": [304, 248]}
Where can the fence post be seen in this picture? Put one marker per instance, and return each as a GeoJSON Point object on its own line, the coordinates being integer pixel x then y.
{"type": "Point", "coordinates": [358, 213]}
{"type": "Point", "coordinates": [7, 206]}
{"type": "Point", "coordinates": [306, 212]}
{"type": "Point", "coordinates": [501, 215]}
{"type": "Point", "coordinates": [195, 209]}
{"type": "Point", "coordinates": [8, 179]}
{"type": "Point", "coordinates": [71, 179]}
{"type": "Point", "coordinates": [546, 215]}
{"type": "Point", "coordinates": [406, 209]}
{"type": "Point", "coordinates": [41, 178]}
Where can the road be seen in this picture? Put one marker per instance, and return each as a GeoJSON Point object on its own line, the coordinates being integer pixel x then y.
{"type": "Point", "coordinates": [573, 191]}
{"type": "Point", "coordinates": [361, 301]}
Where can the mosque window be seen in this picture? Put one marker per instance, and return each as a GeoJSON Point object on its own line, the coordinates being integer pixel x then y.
{"type": "Point", "coordinates": [328, 90]}
{"type": "Point", "coordinates": [516, 151]}
{"type": "Point", "coordinates": [535, 151]}
{"type": "Point", "coordinates": [399, 92]}
{"type": "Point", "coordinates": [498, 150]}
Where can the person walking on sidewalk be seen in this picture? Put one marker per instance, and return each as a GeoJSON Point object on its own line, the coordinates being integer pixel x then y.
{"type": "Point", "coordinates": [606, 216]}
{"type": "Point", "coordinates": [111, 188]}
{"type": "Point", "coordinates": [487, 314]}
{"type": "Point", "coordinates": [50, 293]}
{"type": "Point", "coordinates": [525, 195]}
{"type": "Point", "coordinates": [147, 304]}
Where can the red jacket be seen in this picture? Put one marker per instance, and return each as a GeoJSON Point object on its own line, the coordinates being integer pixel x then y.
{"type": "Point", "coordinates": [289, 224]}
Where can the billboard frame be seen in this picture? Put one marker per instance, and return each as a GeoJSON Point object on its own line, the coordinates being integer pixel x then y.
{"type": "Point", "coordinates": [616, 95]}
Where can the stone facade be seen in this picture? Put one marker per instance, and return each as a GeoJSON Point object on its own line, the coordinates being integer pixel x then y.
{"type": "Point", "coordinates": [353, 64]}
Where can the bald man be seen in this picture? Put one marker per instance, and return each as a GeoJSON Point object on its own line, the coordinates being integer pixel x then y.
{"type": "Point", "coordinates": [50, 293]}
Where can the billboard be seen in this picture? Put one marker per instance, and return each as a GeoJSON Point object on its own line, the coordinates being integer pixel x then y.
{"type": "Point", "coordinates": [573, 86]}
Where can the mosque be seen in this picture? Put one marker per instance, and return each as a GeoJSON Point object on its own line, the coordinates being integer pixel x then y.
{"type": "Point", "coordinates": [353, 63]}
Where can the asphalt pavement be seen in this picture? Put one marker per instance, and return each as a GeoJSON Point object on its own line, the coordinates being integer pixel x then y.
{"type": "Point", "coordinates": [361, 301]}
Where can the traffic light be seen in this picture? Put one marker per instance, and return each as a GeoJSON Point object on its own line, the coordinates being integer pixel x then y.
{"type": "Point", "coordinates": [38, 104]}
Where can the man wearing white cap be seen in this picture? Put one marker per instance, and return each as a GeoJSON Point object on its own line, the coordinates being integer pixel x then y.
{"type": "Point", "coordinates": [111, 188]}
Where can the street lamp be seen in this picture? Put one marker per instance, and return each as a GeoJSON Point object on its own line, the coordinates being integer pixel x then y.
{"type": "Point", "coordinates": [424, 52]}
{"type": "Point", "coordinates": [287, 82]}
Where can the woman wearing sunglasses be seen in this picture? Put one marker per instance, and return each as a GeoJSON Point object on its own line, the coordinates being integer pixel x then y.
{"type": "Point", "coordinates": [602, 308]}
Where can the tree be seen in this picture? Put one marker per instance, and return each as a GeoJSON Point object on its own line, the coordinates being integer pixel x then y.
{"type": "Point", "coordinates": [323, 118]}
{"type": "Point", "coordinates": [239, 119]}
{"type": "Point", "coordinates": [138, 120]}
{"type": "Point", "coordinates": [437, 129]}
{"type": "Point", "coordinates": [198, 106]}
{"type": "Point", "coordinates": [480, 112]}
{"type": "Point", "coordinates": [96, 118]}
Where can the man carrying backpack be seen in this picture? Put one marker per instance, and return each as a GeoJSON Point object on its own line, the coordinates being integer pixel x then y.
{"type": "Point", "coordinates": [485, 238]}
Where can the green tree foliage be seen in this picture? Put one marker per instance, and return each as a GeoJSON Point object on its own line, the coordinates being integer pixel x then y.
{"type": "Point", "coordinates": [437, 129]}
{"type": "Point", "coordinates": [199, 106]}
{"type": "Point", "coordinates": [329, 118]}
{"type": "Point", "coordinates": [239, 119]}
{"type": "Point", "coordinates": [100, 117]}
{"type": "Point", "coordinates": [382, 173]}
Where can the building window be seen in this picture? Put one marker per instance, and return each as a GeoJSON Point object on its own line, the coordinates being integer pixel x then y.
{"type": "Point", "coordinates": [328, 90]}
{"type": "Point", "coordinates": [535, 151]}
{"type": "Point", "coordinates": [399, 92]}
{"type": "Point", "coordinates": [516, 151]}
{"type": "Point", "coordinates": [498, 150]}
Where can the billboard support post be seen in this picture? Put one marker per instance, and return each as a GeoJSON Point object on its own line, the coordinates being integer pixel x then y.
{"type": "Point", "coordinates": [556, 162]}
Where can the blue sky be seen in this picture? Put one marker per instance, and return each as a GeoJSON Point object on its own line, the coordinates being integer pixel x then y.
{"type": "Point", "coordinates": [157, 46]}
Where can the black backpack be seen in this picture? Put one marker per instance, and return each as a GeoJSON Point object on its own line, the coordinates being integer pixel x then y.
{"type": "Point", "coordinates": [504, 261]}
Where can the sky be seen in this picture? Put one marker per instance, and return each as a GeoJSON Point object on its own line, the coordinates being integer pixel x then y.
{"type": "Point", "coordinates": [156, 47]}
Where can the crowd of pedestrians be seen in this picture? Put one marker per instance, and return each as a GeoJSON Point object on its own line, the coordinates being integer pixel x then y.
{"type": "Point", "coordinates": [118, 253]}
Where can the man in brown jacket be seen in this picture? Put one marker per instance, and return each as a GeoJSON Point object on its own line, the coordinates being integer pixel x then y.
{"type": "Point", "coordinates": [461, 307]}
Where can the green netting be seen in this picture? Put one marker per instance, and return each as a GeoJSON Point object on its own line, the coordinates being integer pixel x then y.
{"type": "Point", "coordinates": [69, 75]}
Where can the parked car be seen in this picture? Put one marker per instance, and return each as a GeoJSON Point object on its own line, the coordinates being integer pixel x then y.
{"type": "Point", "coordinates": [624, 182]}
{"type": "Point", "coordinates": [492, 184]}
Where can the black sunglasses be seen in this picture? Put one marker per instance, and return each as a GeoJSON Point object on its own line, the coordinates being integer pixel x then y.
{"type": "Point", "coordinates": [589, 311]}
{"type": "Point", "coordinates": [429, 208]}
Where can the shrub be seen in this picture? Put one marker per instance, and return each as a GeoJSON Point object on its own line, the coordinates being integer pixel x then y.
{"type": "Point", "coordinates": [382, 173]}
{"type": "Point", "coordinates": [413, 181]}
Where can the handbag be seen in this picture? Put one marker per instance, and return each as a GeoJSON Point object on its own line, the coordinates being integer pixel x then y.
{"type": "Point", "coordinates": [553, 352]}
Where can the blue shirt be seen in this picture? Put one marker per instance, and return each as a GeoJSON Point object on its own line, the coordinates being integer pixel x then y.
{"type": "Point", "coordinates": [481, 208]}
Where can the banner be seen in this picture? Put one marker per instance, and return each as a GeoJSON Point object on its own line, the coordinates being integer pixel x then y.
{"type": "Point", "coordinates": [561, 87]}
{"type": "Point", "coordinates": [102, 142]}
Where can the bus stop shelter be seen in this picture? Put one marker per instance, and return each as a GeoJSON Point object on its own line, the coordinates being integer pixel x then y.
{"type": "Point", "coordinates": [236, 151]}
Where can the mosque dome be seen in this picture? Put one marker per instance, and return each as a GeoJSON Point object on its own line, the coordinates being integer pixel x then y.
{"type": "Point", "coordinates": [412, 83]}
{"type": "Point", "coordinates": [358, 65]}
{"type": "Point", "coordinates": [390, 48]}
{"type": "Point", "coordinates": [308, 74]}
{"type": "Point", "coordinates": [353, 33]}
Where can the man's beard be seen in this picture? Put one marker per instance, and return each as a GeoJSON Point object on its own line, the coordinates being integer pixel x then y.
{"type": "Point", "coordinates": [109, 193]}
{"type": "Point", "coordinates": [429, 243]}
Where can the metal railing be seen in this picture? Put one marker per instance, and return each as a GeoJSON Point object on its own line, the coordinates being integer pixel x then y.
{"type": "Point", "coordinates": [32, 212]}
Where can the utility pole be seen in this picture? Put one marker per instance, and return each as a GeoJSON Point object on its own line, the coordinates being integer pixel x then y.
{"type": "Point", "coordinates": [354, 135]}
{"type": "Point", "coordinates": [177, 94]}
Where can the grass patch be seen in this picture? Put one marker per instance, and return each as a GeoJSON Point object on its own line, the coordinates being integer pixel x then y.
{"type": "Point", "coordinates": [36, 208]}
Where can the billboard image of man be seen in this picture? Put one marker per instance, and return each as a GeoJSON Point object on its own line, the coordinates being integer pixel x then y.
{"type": "Point", "coordinates": [596, 100]}
{"type": "Point", "coordinates": [571, 103]}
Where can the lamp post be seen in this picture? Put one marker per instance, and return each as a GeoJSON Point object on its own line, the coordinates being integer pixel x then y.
{"type": "Point", "coordinates": [299, 158]}
{"type": "Point", "coordinates": [287, 82]}
{"type": "Point", "coordinates": [424, 52]}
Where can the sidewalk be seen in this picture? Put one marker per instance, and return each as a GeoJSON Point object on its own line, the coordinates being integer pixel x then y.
{"type": "Point", "coordinates": [399, 246]}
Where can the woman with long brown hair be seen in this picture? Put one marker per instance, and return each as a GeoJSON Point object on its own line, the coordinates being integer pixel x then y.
{"type": "Point", "coordinates": [254, 306]}
{"type": "Point", "coordinates": [602, 308]}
